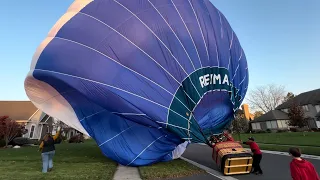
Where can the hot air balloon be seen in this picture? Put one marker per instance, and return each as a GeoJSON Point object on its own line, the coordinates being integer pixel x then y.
{"type": "Point", "coordinates": [143, 78]}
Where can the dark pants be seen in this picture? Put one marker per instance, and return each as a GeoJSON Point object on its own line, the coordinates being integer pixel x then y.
{"type": "Point", "coordinates": [256, 163]}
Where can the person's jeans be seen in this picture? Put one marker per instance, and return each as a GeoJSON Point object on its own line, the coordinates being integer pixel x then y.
{"type": "Point", "coordinates": [47, 161]}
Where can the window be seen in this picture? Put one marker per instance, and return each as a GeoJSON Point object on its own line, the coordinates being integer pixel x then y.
{"type": "Point", "coordinates": [285, 110]}
{"type": "Point", "coordinates": [254, 126]}
{"type": "Point", "coordinates": [279, 122]}
{"type": "Point", "coordinates": [318, 124]}
{"type": "Point", "coordinates": [258, 125]}
{"type": "Point", "coordinates": [48, 129]}
{"type": "Point", "coordinates": [268, 124]}
{"type": "Point", "coordinates": [274, 125]}
{"type": "Point", "coordinates": [305, 108]}
{"type": "Point", "coordinates": [284, 123]}
{"type": "Point", "coordinates": [32, 131]}
{"type": "Point", "coordinates": [318, 108]}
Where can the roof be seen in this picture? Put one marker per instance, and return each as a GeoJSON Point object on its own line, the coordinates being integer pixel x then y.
{"type": "Point", "coordinates": [310, 97]}
{"type": "Point", "coordinates": [37, 116]}
{"type": "Point", "coordinates": [17, 110]}
{"type": "Point", "coordinates": [21, 121]}
{"type": "Point", "coordinates": [272, 115]}
{"type": "Point", "coordinates": [45, 119]}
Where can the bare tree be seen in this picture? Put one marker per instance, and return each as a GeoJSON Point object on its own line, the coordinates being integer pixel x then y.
{"type": "Point", "coordinates": [266, 98]}
{"type": "Point", "coordinates": [240, 124]}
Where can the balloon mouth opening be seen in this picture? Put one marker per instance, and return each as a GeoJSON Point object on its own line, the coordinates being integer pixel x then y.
{"type": "Point", "coordinates": [214, 112]}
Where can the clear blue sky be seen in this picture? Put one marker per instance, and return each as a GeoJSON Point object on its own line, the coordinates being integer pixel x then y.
{"type": "Point", "coordinates": [280, 38]}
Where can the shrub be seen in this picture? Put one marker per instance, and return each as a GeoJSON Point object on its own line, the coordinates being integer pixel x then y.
{"type": "Point", "coordinates": [268, 131]}
{"type": "Point", "coordinates": [76, 139]}
{"type": "Point", "coordinates": [35, 141]}
{"type": "Point", "coordinates": [282, 130]}
{"type": "Point", "coordinates": [20, 141]}
{"type": "Point", "coordinates": [64, 138]}
{"type": "Point", "coordinates": [315, 129]}
{"type": "Point", "coordinates": [293, 129]}
{"type": "Point", "coordinates": [259, 131]}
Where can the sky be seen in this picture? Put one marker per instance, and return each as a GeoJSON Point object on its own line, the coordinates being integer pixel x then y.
{"type": "Point", "coordinates": [280, 39]}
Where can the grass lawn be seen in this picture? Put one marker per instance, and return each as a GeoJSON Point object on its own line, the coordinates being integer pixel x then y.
{"type": "Point", "coordinates": [72, 161]}
{"type": "Point", "coordinates": [304, 150]}
{"type": "Point", "coordinates": [276, 141]}
{"type": "Point", "coordinates": [168, 170]}
{"type": "Point", "coordinates": [290, 138]}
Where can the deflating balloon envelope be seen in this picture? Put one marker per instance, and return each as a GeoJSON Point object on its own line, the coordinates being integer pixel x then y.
{"type": "Point", "coordinates": [142, 77]}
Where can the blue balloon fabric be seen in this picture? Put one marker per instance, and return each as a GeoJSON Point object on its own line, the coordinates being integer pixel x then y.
{"type": "Point", "coordinates": [140, 77]}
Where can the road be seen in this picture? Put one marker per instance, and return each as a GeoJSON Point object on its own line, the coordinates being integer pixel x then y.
{"type": "Point", "coordinates": [274, 166]}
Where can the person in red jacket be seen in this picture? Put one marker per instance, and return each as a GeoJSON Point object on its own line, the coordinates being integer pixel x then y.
{"type": "Point", "coordinates": [257, 156]}
{"type": "Point", "coordinates": [301, 169]}
{"type": "Point", "coordinates": [227, 134]}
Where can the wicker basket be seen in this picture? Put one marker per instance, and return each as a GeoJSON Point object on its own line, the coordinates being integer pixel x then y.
{"type": "Point", "coordinates": [232, 158]}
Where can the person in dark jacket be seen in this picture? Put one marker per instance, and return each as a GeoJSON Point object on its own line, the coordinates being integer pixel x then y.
{"type": "Point", "coordinates": [47, 153]}
{"type": "Point", "coordinates": [47, 149]}
{"type": "Point", "coordinates": [257, 155]}
{"type": "Point", "coordinates": [301, 169]}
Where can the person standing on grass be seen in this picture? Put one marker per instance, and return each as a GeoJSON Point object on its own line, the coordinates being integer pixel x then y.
{"type": "Point", "coordinates": [47, 149]}
{"type": "Point", "coordinates": [301, 169]}
{"type": "Point", "coordinates": [257, 156]}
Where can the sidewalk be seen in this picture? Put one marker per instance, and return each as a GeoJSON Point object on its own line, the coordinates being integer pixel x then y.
{"type": "Point", "coordinates": [287, 154]}
{"type": "Point", "coordinates": [132, 173]}
{"type": "Point", "coordinates": [289, 145]}
{"type": "Point", "coordinates": [126, 173]}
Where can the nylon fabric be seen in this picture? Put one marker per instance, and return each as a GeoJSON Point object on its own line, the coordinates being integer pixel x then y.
{"type": "Point", "coordinates": [143, 78]}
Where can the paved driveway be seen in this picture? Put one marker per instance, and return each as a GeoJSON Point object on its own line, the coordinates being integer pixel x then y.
{"type": "Point", "coordinates": [275, 167]}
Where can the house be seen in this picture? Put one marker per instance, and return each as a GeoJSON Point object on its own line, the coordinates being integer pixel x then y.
{"type": "Point", "coordinates": [20, 111]}
{"type": "Point", "coordinates": [37, 123]}
{"type": "Point", "coordinates": [275, 119]}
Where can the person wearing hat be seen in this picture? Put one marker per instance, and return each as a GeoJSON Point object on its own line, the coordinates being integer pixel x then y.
{"type": "Point", "coordinates": [257, 155]}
